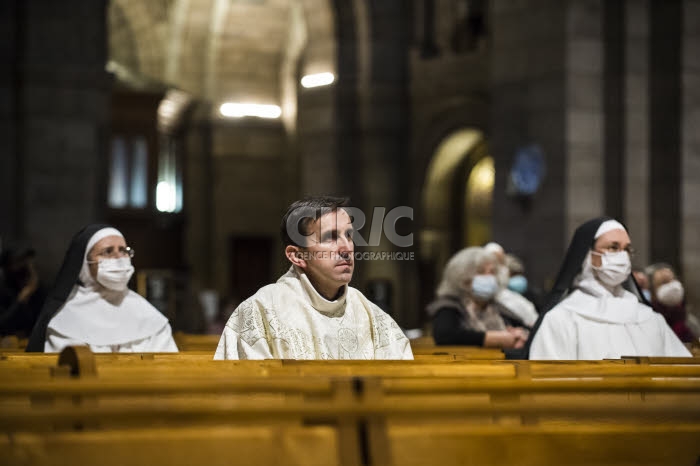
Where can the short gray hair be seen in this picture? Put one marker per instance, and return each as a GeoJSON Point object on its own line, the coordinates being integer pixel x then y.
{"type": "Point", "coordinates": [515, 265]}
{"type": "Point", "coordinates": [461, 267]}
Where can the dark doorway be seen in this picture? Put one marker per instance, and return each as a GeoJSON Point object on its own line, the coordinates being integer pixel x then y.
{"type": "Point", "coordinates": [250, 259]}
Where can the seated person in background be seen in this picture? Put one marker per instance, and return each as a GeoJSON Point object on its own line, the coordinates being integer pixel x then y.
{"type": "Point", "coordinates": [599, 318]}
{"type": "Point", "coordinates": [21, 293]}
{"type": "Point", "coordinates": [509, 300]}
{"type": "Point", "coordinates": [311, 312]}
{"type": "Point", "coordinates": [642, 282]}
{"type": "Point", "coordinates": [92, 305]}
{"type": "Point", "coordinates": [464, 312]}
{"type": "Point", "coordinates": [519, 283]}
{"type": "Point", "coordinates": [668, 299]}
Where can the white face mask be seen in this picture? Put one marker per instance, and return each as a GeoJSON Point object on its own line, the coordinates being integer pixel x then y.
{"type": "Point", "coordinates": [614, 268]}
{"type": "Point", "coordinates": [670, 294]}
{"type": "Point", "coordinates": [114, 274]}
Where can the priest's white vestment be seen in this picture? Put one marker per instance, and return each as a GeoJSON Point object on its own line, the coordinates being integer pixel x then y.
{"type": "Point", "coordinates": [291, 320]}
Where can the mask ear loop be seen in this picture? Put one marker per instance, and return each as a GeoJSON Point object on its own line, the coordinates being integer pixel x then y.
{"type": "Point", "coordinates": [601, 259]}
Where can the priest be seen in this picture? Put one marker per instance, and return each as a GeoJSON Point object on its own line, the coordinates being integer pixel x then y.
{"type": "Point", "coordinates": [311, 312]}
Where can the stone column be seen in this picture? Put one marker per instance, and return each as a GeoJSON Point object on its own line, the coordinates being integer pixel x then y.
{"type": "Point", "coordinates": [665, 126]}
{"type": "Point", "coordinates": [690, 156]}
{"type": "Point", "coordinates": [10, 112]}
{"type": "Point", "coordinates": [584, 114]}
{"type": "Point", "coordinates": [382, 91]}
{"type": "Point", "coordinates": [637, 191]}
{"type": "Point", "coordinates": [529, 76]}
{"type": "Point", "coordinates": [63, 125]}
{"type": "Point", "coordinates": [198, 197]}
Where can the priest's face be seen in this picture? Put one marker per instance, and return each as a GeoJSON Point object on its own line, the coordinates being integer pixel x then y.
{"type": "Point", "coordinates": [328, 258]}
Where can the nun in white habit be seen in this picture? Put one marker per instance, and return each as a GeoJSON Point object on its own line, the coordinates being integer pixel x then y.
{"type": "Point", "coordinates": [92, 305]}
{"type": "Point", "coordinates": [598, 318]}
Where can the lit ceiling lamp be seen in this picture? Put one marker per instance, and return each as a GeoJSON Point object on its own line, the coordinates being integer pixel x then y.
{"type": "Point", "coordinates": [318, 79]}
{"type": "Point", "coordinates": [238, 110]}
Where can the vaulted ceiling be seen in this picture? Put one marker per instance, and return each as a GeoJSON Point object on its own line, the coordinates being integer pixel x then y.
{"type": "Point", "coordinates": [220, 50]}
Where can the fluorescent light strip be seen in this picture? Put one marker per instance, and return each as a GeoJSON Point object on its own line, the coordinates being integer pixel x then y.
{"type": "Point", "coordinates": [318, 79]}
{"type": "Point", "coordinates": [238, 110]}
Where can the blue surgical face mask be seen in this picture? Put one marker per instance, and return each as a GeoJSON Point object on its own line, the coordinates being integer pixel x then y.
{"type": "Point", "coordinates": [484, 287]}
{"type": "Point", "coordinates": [518, 284]}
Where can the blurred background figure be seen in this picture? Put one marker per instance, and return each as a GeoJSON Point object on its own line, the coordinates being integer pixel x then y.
{"type": "Point", "coordinates": [518, 282]}
{"type": "Point", "coordinates": [510, 302]}
{"type": "Point", "coordinates": [21, 292]}
{"type": "Point", "coordinates": [192, 305]}
{"type": "Point", "coordinates": [215, 325]}
{"type": "Point", "coordinates": [379, 291]}
{"type": "Point", "coordinates": [640, 276]}
{"type": "Point", "coordinates": [668, 299]}
{"type": "Point", "coordinates": [464, 311]}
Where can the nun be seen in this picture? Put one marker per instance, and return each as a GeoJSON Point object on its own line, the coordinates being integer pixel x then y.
{"type": "Point", "coordinates": [596, 310]}
{"type": "Point", "coordinates": [91, 304]}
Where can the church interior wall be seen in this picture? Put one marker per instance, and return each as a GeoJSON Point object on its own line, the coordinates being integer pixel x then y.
{"type": "Point", "coordinates": [537, 76]}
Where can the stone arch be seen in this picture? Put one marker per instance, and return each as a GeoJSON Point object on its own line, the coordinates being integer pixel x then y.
{"type": "Point", "coordinates": [456, 119]}
{"type": "Point", "coordinates": [470, 112]}
{"type": "Point", "coordinates": [444, 192]}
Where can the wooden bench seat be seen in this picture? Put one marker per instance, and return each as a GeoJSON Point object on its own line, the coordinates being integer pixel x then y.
{"type": "Point", "coordinates": [401, 433]}
{"type": "Point", "coordinates": [210, 446]}
{"type": "Point", "coordinates": [198, 364]}
{"type": "Point", "coordinates": [570, 445]}
{"type": "Point", "coordinates": [346, 412]}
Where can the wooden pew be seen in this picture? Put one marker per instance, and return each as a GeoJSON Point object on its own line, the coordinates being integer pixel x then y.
{"type": "Point", "coordinates": [572, 445]}
{"type": "Point", "coordinates": [383, 404]}
{"type": "Point", "coordinates": [557, 421]}
{"type": "Point", "coordinates": [114, 416]}
{"type": "Point", "coordinates": [12, 344]}
{"type": "Point", "coordinates": [435, 428]}
{"type": "Point", "coordinates": [459, 352]}
{"type": "Point", "coordinates": [195, 342]}
{"type": "Point", "coordinates": [200, 364]}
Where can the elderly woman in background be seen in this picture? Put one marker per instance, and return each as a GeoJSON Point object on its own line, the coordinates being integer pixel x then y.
{"type": "Point", "coordinates": [464, 312]}
{"type": "Point", "coordinates": [92, 305]}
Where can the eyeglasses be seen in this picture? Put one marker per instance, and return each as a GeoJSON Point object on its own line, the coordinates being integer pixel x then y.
{"type": "Point", "coordinates": [112, 252]}
{"type": "Point", "coordinates": [613, 248]}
